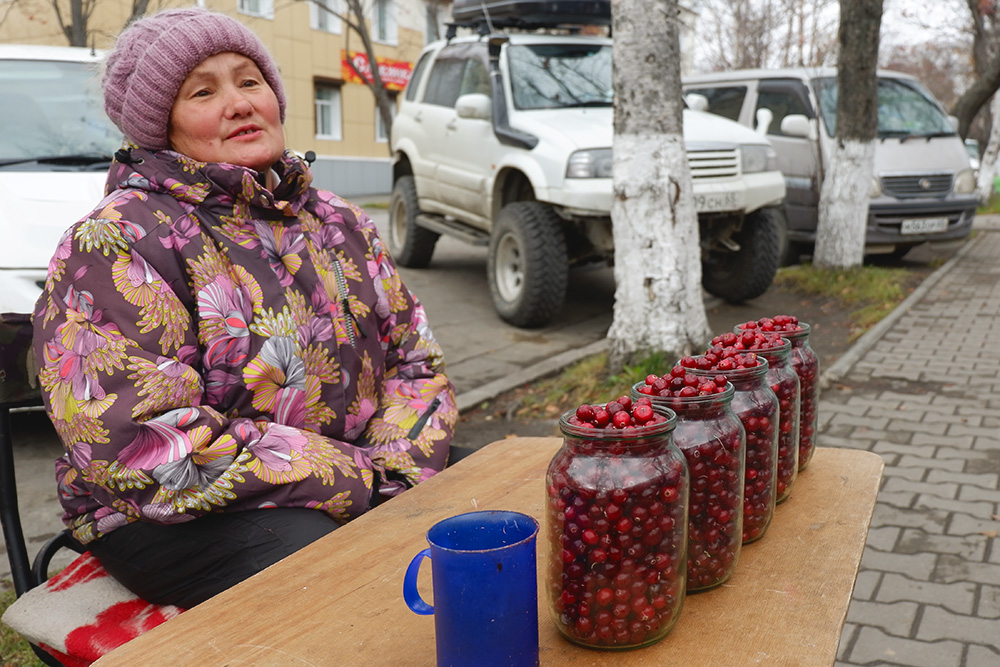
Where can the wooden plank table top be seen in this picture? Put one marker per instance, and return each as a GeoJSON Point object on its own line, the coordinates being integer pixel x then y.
{"type": "Point", "coordinates": [339, 601]}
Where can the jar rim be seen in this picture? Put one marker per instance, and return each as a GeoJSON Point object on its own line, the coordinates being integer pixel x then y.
{"type": "Point", "coordinates": [723, 397]}
{"type": "Point", "coordinates": [736, 373]}
{"type": "Point", "coordinates": [631, 433]}
{"type": "Point", "coordinates": [803, 330]}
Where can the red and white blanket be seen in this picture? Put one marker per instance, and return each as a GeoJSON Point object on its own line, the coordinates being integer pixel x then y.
{"type": "Point", "coordinates": [83, 613]}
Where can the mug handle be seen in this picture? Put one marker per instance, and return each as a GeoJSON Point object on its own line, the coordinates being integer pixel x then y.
{"type": "Point", "coordinates": [410, 593]}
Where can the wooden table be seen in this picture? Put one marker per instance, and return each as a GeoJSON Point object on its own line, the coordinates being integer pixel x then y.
{"type": "Point", "coordinates": [339, 601]}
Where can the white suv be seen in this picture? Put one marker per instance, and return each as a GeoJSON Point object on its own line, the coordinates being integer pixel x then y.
{"type": "Point", "coordinates": [505, 139]}
{"type": "Point", "coordinates": [56, 145]}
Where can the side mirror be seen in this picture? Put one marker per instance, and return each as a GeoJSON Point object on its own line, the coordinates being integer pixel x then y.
{"type": "Point", "coordinates": [796, 125]}
{"type": "Point", "coordinates": [474, 105]}
{"type": "Point", "coordinates": [954, 122]}
{"type": "Point", "coordinates": [764, 118]}
{"type": "Point", "coordinates": [696, 101]}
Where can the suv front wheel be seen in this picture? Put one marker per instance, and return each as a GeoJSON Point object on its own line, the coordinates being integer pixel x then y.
{"type": "Point", "coordinates": [746, 273]}
{"type": "Point", "coordinates": [409, 244]}
{"type": "Point", "coordinates": [527, 265]}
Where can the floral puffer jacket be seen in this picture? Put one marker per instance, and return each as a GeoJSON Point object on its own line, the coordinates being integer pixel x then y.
{"type": "Point", "coordinates": [208, 345]}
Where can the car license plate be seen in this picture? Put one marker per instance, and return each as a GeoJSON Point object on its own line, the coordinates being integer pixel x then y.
{"type": "Point", "coordinates": [923, 226]}
{"type": "Point", "coordinates": [716, 201]}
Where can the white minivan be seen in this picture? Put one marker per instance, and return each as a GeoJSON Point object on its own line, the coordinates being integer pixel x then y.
{"type": "Point", "coordinates": [56, 144]}
{"type": "Point", "coordinates": [924, 186]}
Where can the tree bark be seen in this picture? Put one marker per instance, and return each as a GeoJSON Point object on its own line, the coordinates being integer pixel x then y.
{"type": "Point", "coordinates": [986, 66]}
{"type": "Point", "coordinates": [382, 100]}
{"type": "Point", "coordinates": [844, 196]}
{"type": "Point", "coordinates": [658, 297]}
{"type": "Point", "coordinates": [989, 164]}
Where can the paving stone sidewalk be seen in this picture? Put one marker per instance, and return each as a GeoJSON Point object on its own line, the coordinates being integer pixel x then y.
{"type": "Point", "coordinates": [925, 396]}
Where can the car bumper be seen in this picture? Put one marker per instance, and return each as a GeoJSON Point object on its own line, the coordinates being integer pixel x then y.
{"type": "Point", "coordinates": [885, 222]}
{"type": "Point", "coordinates": [591, 197]}
{"type": "Point", "coordinates": [20, 289]}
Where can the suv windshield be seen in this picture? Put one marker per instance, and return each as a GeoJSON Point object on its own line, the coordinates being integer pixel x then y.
{"type": "Point", "coordinates": [554, 76]}
{"type": "Point", "coordinates": [52, 109]}
{"type": "Point", "coordinates": [905, 109]}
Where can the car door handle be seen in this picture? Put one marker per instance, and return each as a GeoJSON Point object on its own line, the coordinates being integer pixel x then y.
{"type": "Point", "coordinates": [418, 118]}
{"type": "Point", "coordinates": [452, 124]}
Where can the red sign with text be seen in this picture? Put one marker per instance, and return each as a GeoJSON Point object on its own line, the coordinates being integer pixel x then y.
{"type": "Point", "coordinates": [394, 73]}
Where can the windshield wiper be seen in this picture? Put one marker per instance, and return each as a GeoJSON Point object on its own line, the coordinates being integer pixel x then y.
{"type": "Point", "coordinates": [906, 136]}
{"type": "Point", "coordinates": [82, 158]}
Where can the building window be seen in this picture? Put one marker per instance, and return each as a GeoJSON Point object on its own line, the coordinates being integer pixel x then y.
{"type": "Point", "coordinates": [262, 8]}
{"type": "Point", "coordinates": [384, 21]}
{"type": "Point", "coordinates": [328, 118]}
{"type": "Point", "coordinates": [434, 22]}
{"type": "Point", "coordinates": [321, 19]}
{"type": "Point", "coordinates": [381, 135]}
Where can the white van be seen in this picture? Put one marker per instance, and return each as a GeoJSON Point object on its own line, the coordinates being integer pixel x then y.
{"type": "Point", "coordinates": [924, 187]}
{"type": "Point", "coordinates": [56, 145]}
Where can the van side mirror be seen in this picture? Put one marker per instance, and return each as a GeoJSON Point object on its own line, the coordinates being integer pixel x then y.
{"type": "Point", "coordinates": [796, 125]}
{"type": "Point", "coordinates": [696, 101]}
{"type": "Point", "coordinates": [474, 105]}
{"type": "Point", "coordinates": [764, 117]}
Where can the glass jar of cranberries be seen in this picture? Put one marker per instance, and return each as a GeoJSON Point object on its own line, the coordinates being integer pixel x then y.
{"type": "Point", "coordinates": [785, 384]}
{"type": "Point", "coordinates": [756, 406]}
{"type": "Point", "coordinates": [714, 444]}
{"type": "Point", "coordinates": [616, 521]}
{"type": "Point", "coordinates": [806, 364]}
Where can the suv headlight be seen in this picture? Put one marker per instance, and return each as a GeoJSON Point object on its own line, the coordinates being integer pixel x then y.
{"type": "Point", "coordinates": [758, 158]}
{"type": "Point", "coordinates": [592, 163]}
{"type": "Point", "coordinates": [965, 182]}
{"type": "Point", "coordinates": [876, 189]}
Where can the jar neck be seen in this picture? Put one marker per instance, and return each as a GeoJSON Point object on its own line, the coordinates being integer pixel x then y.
{"type": "Point", "coordinates": [777, 357]}
{"type": "Point", "coordinates": [697, 407]}
{"type": "Point", "coordinates": [615, 441]}
{"type": "Point", "coordinates": [798, 338]}
{"type": "Point", "coordinates": [741, 378]}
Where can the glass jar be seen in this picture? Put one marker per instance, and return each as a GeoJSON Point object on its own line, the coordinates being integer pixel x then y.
{"type": "Point", "coordinates": [756, 406]}
{"type": "Point", "coordinates": [616, 521]}
{"type": "Point", "coordinates": [806, 364]}
{"type": "Point", "coordinates": [714, 444]}
{"type": "Point", "coordinates": [785, 384]}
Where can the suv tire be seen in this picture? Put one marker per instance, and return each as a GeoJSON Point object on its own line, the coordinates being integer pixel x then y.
{"type": "Point", "coordinates": [527, 265]}
{"type": "Point", "coordinates": [739, 276]}
{"type": "Point", "coordinates": [409, 244]}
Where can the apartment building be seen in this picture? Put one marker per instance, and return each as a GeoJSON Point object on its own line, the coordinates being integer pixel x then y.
{"type": "Point", "coordinates": [331, 111]}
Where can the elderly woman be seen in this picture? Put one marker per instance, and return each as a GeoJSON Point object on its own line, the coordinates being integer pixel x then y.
{"type": "Point", "coordinates": [228, 354]}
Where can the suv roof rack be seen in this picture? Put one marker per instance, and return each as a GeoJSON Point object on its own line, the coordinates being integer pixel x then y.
{"type": "Point", "coordinates": [488, 16]}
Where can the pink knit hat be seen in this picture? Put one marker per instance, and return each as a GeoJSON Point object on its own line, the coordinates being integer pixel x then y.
{"type": "Point", "coordinates": [154, 55]}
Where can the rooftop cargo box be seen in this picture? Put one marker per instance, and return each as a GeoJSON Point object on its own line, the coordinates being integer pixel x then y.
{"type": "Point", "coordinates": [532, 13]}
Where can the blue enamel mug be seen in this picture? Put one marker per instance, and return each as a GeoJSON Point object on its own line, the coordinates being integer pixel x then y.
{"type": "Point", "coordinates": [485, 587]}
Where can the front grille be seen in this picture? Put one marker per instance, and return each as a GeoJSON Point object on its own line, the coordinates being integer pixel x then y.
{"type": "Point", "coordinates": [714, 163]}
{"type": "Point", "coordinates": [917, 185]}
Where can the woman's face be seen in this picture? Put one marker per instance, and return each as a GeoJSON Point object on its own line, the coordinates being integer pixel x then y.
{"type": "Point", "coordinates": [226, 112]}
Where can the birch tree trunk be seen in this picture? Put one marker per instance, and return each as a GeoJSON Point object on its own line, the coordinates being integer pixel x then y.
{"type": "Point", "coordinates": [989, 164]}
{"type": "Point", "coordinates": [845, 193]}
{"type": "Point", "coordinates": [658, 298]}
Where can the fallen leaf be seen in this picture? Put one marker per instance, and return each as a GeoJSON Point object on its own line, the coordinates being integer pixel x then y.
{"type": "Point", "coordinates": [995, 517]}
{"type": "Point", "coordinates": [988, 533]}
